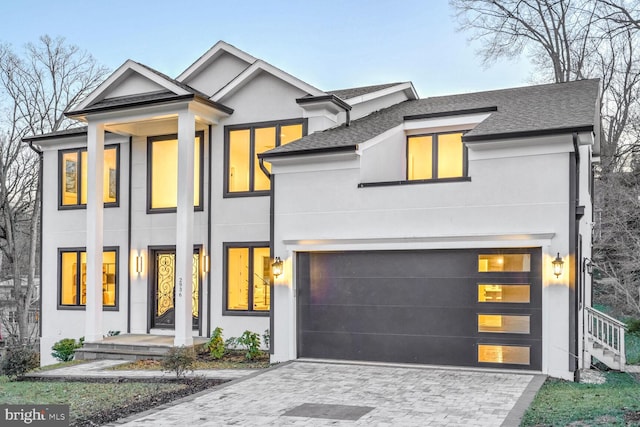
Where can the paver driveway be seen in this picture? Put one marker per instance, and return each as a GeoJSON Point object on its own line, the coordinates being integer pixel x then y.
{"type": "Point", "coordinates": [393, 396]}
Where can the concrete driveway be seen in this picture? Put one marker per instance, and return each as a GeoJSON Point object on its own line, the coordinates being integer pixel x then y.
{"type": "Point", "coordinates": [313, 394]}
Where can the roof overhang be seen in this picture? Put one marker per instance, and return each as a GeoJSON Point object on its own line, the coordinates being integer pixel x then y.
{"type": "Point", "coordinates": [150, 102]}
{"type": "Point", "coordinates": [330, 103]}
{"type": "Point", "coordinates": [526, 134]}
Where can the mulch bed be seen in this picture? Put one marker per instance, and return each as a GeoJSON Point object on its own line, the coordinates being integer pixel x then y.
{"type": "Point", "coordinates": [193, 385]}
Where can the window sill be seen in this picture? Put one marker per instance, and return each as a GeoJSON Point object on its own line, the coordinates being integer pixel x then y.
{"type": "Point", "coordinates": [80, 207]}
{"type": "Point", "coordinates": [245, 313]}
{"type": "Point", "coordinates": [171, 210]}
{"type": "Point", "coordinates": [83, 308]}
{"type": "Point", "coordinates": [231, 195]}
{"type": "Point", "coordinates": [412, 182]}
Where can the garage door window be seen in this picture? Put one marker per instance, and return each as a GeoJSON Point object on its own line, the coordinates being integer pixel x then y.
{"type": "Point", "coordinates": [502, 293]}
{"type": "Point", "coordinates": [504, 263]}
{"type": "Point", "coordinates": [248, 278]}
{"type": "Point", "coordinates": [504, 323]}
{"type": "Point", "coordinates": [507, 354]}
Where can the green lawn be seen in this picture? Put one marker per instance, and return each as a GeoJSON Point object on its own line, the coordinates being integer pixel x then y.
{"type": "Point", "coordinates": [84, 399]}
{"type": "Point", "coordinates": [632, 347]}
{"type": "Point", "coordinates": [561, 402]}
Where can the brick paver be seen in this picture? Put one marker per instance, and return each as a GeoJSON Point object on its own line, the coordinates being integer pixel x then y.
{"type": "Point", "coordinates": [403, 396]}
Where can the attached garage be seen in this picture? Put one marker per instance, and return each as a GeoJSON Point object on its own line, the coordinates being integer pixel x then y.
{"type": "Point", "coordinates": [471, 307]}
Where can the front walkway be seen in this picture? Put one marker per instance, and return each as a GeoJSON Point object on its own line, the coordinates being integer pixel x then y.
{"type": "Point", "coordinates": [312, 394]}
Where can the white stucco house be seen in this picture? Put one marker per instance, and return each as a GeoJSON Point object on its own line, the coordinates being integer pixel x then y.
{"type": "Point", "coordinates": [403, 229]}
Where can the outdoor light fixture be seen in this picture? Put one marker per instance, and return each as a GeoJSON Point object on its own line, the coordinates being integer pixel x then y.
{"type": "Point", "coordinates": [588, 266]}
{"type": "Point", "coordinates": [206, 263]}
{"type": "Point", "coordinates": [138, 264]}
{"type": "Point", "coordinates": [558, 265]}
{"type": "Point", "coordinates": [277, 266]}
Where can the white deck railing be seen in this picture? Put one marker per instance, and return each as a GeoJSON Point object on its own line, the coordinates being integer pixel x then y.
{"type": "Point", "coordinates": [606, 331]}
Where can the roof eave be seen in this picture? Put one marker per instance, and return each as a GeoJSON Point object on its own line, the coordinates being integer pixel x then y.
{"type": "Point", "coordinates": [79, 113]}
{"type": "Point", "coordinates": [309, 151]}
{"type": "Point", "coordinates": [526, 134]}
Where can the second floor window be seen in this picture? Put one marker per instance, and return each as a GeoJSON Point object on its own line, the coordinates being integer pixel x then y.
{"type": "Point", "coordinates": [73, 167]}
{"type": "Point", "coordinates": [163, 172]}
{"type": "Point", "coordinates": [242, 146]}
{"type": "Point", "coordinates": [436, 156]}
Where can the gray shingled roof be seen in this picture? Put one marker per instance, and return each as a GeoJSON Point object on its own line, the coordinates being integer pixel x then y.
{"type": "Point", "coordinates": [522, 110]}
{"type": "Point", "coordinates": [66, 132]}
{"type": "Point", "coordinates": [359, 91]}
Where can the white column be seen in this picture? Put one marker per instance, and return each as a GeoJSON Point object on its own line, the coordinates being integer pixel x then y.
{"type": "Point", "coordinates": [184, 229]}
{"type": "Point", "coordinates": [95, 204]}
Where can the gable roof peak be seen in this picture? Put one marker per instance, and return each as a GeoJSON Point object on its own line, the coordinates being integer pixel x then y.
{"type": "Point", "coordinates": [210, 55]}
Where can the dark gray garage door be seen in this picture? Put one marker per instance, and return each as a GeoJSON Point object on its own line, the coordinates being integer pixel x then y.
{"type": "Point", "coordinates": [448, 307]}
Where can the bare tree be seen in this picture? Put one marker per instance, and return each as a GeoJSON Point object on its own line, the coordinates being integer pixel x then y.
{"type": "Point", "coordinates": [570, 40]}
{"type": "Point", "coordinates": [36, 87]}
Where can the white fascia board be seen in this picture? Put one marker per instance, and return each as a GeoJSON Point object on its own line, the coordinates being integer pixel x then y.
{"type": "Point", "coordinates": [209, 56]}
{"type": "Point", "coordinates": [310, 161]}
{"type": "Point", "coordinates": [379, 138]}
{"type": "Point", "coordinates": [468, 121]}
{"type": "Point", "coordinates": [406, 87]}
{"type": "Point", "coordinates": [514, 240]}
{"type": "Point", "coordinates": [253, 71]}
{"type": "Point", "coordinates": [121, 74]}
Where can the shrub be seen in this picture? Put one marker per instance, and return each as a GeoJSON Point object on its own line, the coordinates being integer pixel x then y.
{"type": "Point", "coordinates": [179, 360]}
{"type": "Point", "coordinates": [20, 360]}
{"type": "Point", "coordinates": [250, 341]}
{"type": "Point", "coordinates": [633, 326]}
{"type": "Point", "coordinates": [64, 349]}
{"type": "Point", "coordinates": [216, 344]}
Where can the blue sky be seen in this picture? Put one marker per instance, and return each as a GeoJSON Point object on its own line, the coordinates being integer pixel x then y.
{"type": "Point", "coordinates": [331, 44]}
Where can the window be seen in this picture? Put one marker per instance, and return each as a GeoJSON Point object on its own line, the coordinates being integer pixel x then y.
{"type": "Point", "coordinates": [504, 263]}
{"type": "Point", "coordinates": [73, 177]}
{"type": "Point", "coordinates": [499, 293]}
{"type": "Point", "coordinates": [436, 156]}
{"type": "Point", "coordinates": [504, 323]}
{"type": "Point", "coordinates": [73, 277]}
{"type": "Point", "coordinates": [243, 144]}
{"type": "Point", "coordinates": [247, 277]}
{"type": "Point", "coordinates": [510, 354]}
{"type": "Point", "coordinates": [162, 178]}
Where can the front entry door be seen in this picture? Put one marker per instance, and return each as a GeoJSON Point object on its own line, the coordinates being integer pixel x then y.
{"type": "Point", "coordinates": [163, 289]}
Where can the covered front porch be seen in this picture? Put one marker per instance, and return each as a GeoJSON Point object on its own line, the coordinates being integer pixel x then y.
{"type": "Point", "coordinates": [145, 106]}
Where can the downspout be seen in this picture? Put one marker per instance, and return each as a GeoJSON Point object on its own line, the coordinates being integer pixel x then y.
{"type": "Point", "coordinates": [574, 230]}
{"type": "Point", "coordinates": [209, 222]}
{"type": "Point", "coordinates": [40, 165]}
{"type": "Point", "coordinates": [272, 193]}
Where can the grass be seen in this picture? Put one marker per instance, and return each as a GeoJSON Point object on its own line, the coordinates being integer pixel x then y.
{"type": "Point", "coordinates": [85, 399]}
{"type": "Point", "coordinates": [632, 348]}
{"type": "Point", "coordinates": [561, 402]}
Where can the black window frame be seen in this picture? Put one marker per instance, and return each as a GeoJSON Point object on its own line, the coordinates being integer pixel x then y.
{"type": "Point", "coordinates": [79, 152]}
{"type": "Point", "coordinates": [434, 158]}
{"type": "Point", "coordinates": [225, 279]}
{"type": "Point", "coordinates": [78, 306]}
{"type": "Point", "coordinates": [251, 127]}
{"type": "Point", "coordinates": [150, 140]}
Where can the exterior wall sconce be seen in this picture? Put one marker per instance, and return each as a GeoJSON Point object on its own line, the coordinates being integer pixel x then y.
{"type": "Point", "coordinates": [558, 265]}
{"type": "Point", "coordinates": [277, 266]}
{"type": "Point", "coordinates": [206, 263]}
{"type": "Point", "coordinates": [588, 266]}
{"type": "Point", "coordinates": [138, 264]}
